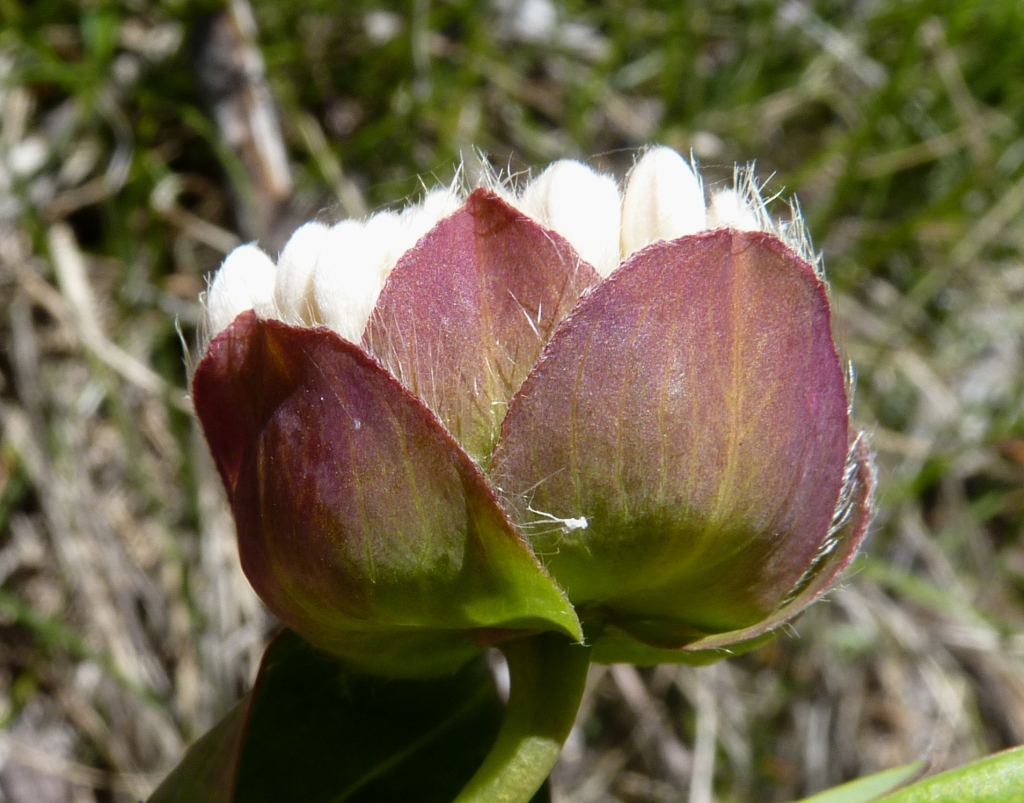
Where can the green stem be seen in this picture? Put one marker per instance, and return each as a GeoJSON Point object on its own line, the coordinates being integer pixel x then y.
{"type": "Point", "coordinates": [547, 675]}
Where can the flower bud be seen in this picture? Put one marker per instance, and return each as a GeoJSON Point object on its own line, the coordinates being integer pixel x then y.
{"type": "Point", "coordinates": [245, 281]}
{"type": "Point", "coordinates": [492, 391]}
{"type": "Point", "coordinates": [348, 277]}
{"type": "Point", "coordinates": [664, 200]}
{"type": "Point", "coordinates": [293, 290]}
{"type": "Point", "coordinates": [582, 206]}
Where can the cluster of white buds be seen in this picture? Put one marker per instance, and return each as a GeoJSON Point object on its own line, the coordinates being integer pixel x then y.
{"type": "Point", "coordinates": [332, 275]}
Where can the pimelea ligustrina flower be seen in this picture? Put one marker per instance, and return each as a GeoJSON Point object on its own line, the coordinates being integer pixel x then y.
{"type": "Point", "coordinates": [438, 428]}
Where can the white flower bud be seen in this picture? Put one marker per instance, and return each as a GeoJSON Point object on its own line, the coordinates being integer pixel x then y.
{"type": "Point", "coordinates": [729, 210]}
{"type": "Point", "coordinates": [348, 277]}
{"type": "Point", "coordinates": [386, 230]}
{"type": "Point", "coordinates": [581, 205]}
{"type": "Point", "coordinates": [664, 200]}
{"type": "Point", "coordinates": [294, 289]}
{"type": "Point", "coordinates": [245, 281]}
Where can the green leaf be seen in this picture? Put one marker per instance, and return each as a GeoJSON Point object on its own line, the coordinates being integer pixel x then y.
{"type": "Point", "coordinates": [865, 790]}
{"type": "Point", "coordinates": [998, 778]}
{"type": "Point", "coordinates": [313, 731]}
{"type": "Point", "coordinates": [206, 775]}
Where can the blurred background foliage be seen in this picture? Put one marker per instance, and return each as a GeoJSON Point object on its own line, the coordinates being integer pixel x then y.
{"type": "Point", "coordinates": [141, 140]}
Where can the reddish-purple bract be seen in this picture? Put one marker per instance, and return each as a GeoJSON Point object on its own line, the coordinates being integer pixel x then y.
{"type": "Point", "coordinates": [465, 314]}
{"type": "Point", "coordinates": [692, 414]}
{"type": "Point", "coordinates": [361, 523]}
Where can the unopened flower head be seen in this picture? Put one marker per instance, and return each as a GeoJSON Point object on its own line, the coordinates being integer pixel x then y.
{"type": "Point", "coordinates": [569, 405]}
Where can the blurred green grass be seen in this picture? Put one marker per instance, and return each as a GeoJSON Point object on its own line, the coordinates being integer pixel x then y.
{"type": "Point", "coordinates": [899, 127]}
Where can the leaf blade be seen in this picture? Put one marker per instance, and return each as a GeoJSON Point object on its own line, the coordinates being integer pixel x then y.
{"type": "Point", "coordinates": [871, 787]}
{"type": "Point", "coordinates": [315, 731]}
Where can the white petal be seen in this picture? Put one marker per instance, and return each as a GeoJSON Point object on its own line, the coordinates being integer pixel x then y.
{"type": "Point", "coordinates": [348, 278]}
{"type": "Point", "coordinates": [664, 200]}
{"type": "Point", "coordinates": [581, 205]}
{"type": "Point", "coordinates": [245, 281]}
{"type": "Point", "coordinates": [729, 211]}
{"type": "Point", "coordinates": [385, 229]}
{"type": "Point", "coordinates": [293, 291]}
